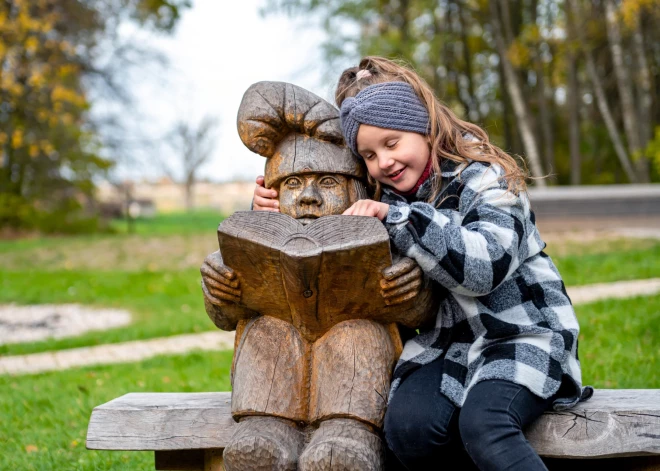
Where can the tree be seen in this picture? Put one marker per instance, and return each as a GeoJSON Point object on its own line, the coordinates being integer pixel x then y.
{"type": "Point", "coordinates": [515, 93]}
{"type": "Point", "coordinates": [49, 149]}
{"type": "Point", "coordinates": [558, 100]}
{"type": "Point", "coordinates": [193, 146]}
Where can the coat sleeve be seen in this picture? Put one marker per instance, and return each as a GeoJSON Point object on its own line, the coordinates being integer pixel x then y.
{"type": "Point", "coordinates": [470, 250]}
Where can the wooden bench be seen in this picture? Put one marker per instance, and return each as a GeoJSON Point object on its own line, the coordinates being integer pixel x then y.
{"type": "Point", "coordinates": [616, 429]}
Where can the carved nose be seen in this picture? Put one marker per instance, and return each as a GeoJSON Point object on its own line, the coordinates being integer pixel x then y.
{"type": "Point", "coordinates": [310, 195]}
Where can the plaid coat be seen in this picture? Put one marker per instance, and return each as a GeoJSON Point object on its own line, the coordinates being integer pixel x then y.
{"type": "Point", "coordinates": [504, 312]}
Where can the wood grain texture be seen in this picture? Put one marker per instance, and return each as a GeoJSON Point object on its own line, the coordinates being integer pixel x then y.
{"type": "Point", "coordinates": [167, 421]}
{"type": "Point", "coordinates": [315, 275]}
{"type": "Point", "coordinates": [612, 423]}
{"type": "Point", "coordinates": [271, 375]}
{"type": "Point", "coordinates": [351, 370]}
{"type": "Point", "coordinates": [162, 421]}
{"type": "Point", "coordinates": [343, 444]}
{"type": "Point", "coordinates": [296, 130]}
{"type": "Point", "coordinates": [264, 444]}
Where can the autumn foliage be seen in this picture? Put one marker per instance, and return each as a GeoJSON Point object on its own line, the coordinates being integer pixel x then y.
{"type": "Point", "coordinates": [49, 147]}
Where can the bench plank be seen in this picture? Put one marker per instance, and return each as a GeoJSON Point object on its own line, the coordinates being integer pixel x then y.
{"type": "Point", "coordinates": [162, 421]}
{"type": "Point", "coordinates": [613, 423]}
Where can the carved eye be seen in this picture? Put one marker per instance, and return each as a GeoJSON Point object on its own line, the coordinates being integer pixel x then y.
{"type": "Point", "coordinates": [328, 182]}
{"type": "Point", "coordinates": [293, 182]}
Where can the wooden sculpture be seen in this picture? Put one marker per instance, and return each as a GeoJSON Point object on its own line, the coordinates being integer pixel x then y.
{"type": "Point", "coordinates": [314, 301]}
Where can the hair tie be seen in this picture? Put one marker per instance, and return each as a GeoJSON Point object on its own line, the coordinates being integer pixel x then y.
{"type": "Point", "coordinates": [363, 73]}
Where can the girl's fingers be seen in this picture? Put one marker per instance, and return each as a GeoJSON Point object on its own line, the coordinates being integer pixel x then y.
{"type": "Point", "coordinates": [401, 267]}
{"type": "Point", "coordinates": [413, 286]}
{"type": "Point", "coordinates": [215, 286]}
{"type": "Point", "coordinates": [266, 202]}
{"type": "Point", "coordinates": [400, 299]}
{"type": "Point", "coordinates": [265, 193]}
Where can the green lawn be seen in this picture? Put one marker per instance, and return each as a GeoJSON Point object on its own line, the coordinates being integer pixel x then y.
{"type": "Point", "coordinates": [154, 274]}
{"type": "Point", "coordinates": [44, 417]}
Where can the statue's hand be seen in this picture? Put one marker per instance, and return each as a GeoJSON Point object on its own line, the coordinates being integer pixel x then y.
{"type": "Point", "coordinates": [219, 282]}
{"type": "Point", "coordinates": [401, 282]}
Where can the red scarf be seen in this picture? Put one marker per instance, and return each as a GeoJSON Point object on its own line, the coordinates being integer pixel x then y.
{"type": "Point", "coordinates": [428, 170]}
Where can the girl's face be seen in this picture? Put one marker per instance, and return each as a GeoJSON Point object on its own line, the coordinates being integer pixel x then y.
{"type": "Point", "coordinates": [394, 158]}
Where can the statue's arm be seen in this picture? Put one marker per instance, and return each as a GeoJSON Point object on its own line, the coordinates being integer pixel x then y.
{"type": "Point", "coordinates": [222, 293]}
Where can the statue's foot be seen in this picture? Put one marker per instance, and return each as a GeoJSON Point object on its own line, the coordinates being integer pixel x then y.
{"type": "Point", "coordinates": [343, 445]}
{"type": "Point", "coordinates": [264, 444]}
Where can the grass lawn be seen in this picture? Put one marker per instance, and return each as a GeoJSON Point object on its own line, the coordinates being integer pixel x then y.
{"type": "Point", "coordinates": [44, 417]}
{"type": "Point", "coordinates": [154, 274]}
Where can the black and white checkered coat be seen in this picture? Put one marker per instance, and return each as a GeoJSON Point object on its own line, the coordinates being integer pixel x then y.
{"type": "Point", "coordinates": [504, 312]}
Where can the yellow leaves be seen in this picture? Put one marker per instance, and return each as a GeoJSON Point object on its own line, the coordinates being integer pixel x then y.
{"type": "Point", "coordinates": [67, 119]}
{"type": "Point", "coordinates": [36, 80]}
{"type": "Point", "coordinates": [518, 54]}
{"type": "Point", "coordinates": [3, 138]}
{"type": "Point", "coordinates": [31, 44]}
{"type": "Point", "coordinates": [46, 147]}
{"type": "Point", "coordinates": [31, 448]}
{"type": "Point", "coordinates": [67, 70]}
{"type": "Point", "coordinates": [42, 115]}
{"type": "Point", "coordinates": [16, 89]}
{"type": "Point", "coordinates": [630, 10]}
{"type": "Point", "coordinates": [63, 94]}
{"type": "Point", "coordinates": [33, 151]}
{"type": "Point", "coordinates": [17, 138]}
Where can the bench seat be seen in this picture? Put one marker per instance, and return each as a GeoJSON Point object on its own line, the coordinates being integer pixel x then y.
{"type": "Point", "coordinates": [190, 429]}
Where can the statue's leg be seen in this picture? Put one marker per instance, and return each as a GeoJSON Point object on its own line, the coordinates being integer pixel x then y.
{"type": "Point", "coordinates": [263, 443]}
{"type": "Point", "coordinates": [269, 397]}
{"type": "Point", "coordinates": [351, 370]}
{"type": "Point", "coordinates": [342, 445]}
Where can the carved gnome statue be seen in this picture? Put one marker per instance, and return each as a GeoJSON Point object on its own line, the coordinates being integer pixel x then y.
{"type": "Point", "coordinates": [309, 399]}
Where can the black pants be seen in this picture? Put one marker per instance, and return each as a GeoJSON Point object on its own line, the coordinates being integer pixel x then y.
{"type": "Point", "coordinates": [425, 431]}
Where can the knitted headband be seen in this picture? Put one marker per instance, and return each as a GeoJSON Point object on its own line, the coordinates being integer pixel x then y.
{"type": "Point", "coordinates": [389, 105]}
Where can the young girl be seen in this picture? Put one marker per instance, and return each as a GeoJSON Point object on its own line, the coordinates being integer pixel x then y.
{"type": "Point", "coordinates": [504, 346]}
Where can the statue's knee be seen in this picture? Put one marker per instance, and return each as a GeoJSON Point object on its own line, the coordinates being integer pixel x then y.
{"type": "Point", "coordinates": [351, 368]}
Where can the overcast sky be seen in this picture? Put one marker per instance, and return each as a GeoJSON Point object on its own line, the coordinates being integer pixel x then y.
{"type": "Point", "coordinates": [217, 52]}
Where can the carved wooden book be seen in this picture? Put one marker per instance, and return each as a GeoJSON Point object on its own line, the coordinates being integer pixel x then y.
{"type": "Point", "coordinates": [313, 275]}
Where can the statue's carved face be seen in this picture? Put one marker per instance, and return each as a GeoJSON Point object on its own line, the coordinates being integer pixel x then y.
{"type": "Point", "coordinates": [310, 196]}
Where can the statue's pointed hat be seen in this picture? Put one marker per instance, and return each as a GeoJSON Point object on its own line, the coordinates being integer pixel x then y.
{"type": "Point", "coordinates": [297, 131]}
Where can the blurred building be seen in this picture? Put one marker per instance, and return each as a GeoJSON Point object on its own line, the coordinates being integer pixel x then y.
{"type": "Point", "coordinates": [167, 196]}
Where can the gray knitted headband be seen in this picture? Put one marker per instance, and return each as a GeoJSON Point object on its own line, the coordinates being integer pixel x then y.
{"type": "Point", "coordinates": [389, 105]}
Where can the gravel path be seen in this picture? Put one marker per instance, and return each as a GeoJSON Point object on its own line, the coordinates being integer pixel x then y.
{"type": "Point", "coordinates": [140, 350]}
{"type": "Point", "coordinates": [125, 352]}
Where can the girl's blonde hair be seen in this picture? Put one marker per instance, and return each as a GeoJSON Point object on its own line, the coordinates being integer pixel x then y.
{"type": "Point", "coordinates": [447, 131]}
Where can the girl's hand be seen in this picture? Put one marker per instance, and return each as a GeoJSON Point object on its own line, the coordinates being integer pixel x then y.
{"type": "Point", "coordinates": [219, 282]}
{"type": "Point", "coordinates": [368, 208]}
{"type": "Point", "coordinates": [401, 282]}
{"type": "Point", "coordinates": [264, 198]}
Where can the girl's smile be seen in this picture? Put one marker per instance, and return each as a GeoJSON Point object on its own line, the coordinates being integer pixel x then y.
{"type": "Point", "coordinates": [394, 158]}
